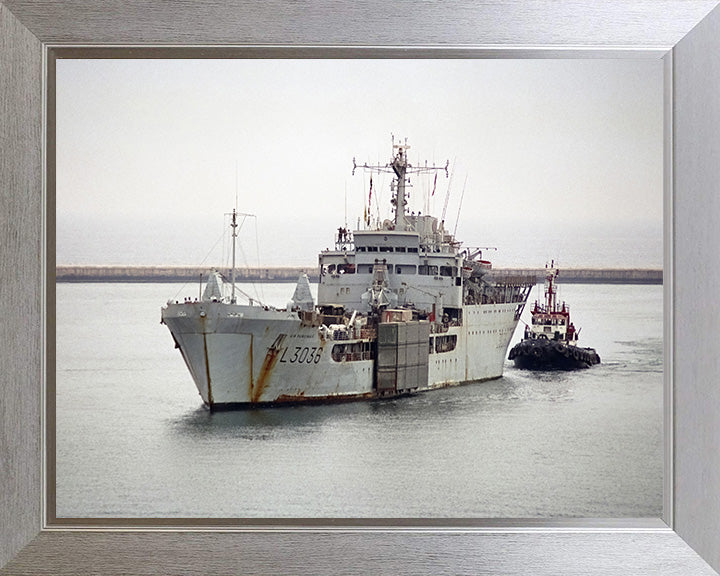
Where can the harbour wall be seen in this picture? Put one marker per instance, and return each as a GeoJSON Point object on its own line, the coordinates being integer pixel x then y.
{"type": "Point", "coordinates": [290, 274]}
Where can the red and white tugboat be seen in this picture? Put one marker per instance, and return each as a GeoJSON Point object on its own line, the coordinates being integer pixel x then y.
{"type": "Point", "coordinates": [550, 341]}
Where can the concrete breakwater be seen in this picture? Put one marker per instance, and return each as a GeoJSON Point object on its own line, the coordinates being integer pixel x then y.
{"type": "Point", "coordinates": [290, 274]}
{"type": "Point", "coordinates": [597, 275]}
{"type": "Point", "coordinates": [177, 274]}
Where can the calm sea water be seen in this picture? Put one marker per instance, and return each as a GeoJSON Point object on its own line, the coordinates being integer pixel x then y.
{"type": "Point", "coordinates": [133, 439]}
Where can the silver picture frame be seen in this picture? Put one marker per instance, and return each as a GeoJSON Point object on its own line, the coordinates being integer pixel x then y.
{"type": "Point", "coordinates": [685, 34]}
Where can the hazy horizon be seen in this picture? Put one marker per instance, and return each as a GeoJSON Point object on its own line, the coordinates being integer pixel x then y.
{"type": "Point", "coordinates": [550, 158]}
{"type": "Point", "coordinates": [620, 247]}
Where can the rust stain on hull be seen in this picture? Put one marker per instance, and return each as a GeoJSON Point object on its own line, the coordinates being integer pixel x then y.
{"type": "Point", "coordinates": [300, 399]}
{"type": "Point", "coordinates": [294, 400]}
{"type": "Point", "coordinates": [271, 358]}
{"type": "Point", "coordinates": [207, 370]}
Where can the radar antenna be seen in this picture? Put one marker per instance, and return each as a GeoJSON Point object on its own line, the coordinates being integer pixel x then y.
{"type": "Point", "coordinates": [402, 169]}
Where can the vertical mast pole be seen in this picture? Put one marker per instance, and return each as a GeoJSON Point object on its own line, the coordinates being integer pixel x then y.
{"type": "Point", "coordinates": [400, 212]}
{"type": "Point", "coordinates": [399, 167]}
{"type": "Point", "coordinates": [233, 224]}
{"type": "Point", "coordinates": [551, 304]}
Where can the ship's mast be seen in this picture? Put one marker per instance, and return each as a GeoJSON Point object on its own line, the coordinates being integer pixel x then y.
{"type": "Point", "coordinates": [401, 168]}
{"type": "Point", "coordinates": [550, 289]}
{"type": "Point", "coordinates": [234, 225]}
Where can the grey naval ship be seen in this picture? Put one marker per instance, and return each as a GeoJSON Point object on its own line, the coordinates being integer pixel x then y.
{"type": "Point", "coordinates": [401, 308]}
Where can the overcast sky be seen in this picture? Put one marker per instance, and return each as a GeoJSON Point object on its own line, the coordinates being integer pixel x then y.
{"type": "Point", "coordinates": [152, 153]}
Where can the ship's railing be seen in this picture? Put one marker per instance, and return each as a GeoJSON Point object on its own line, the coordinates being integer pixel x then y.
{"type": "Point", "coordinates": [498, 289]}
{"type": "Point", "coordinates": [344, 239]}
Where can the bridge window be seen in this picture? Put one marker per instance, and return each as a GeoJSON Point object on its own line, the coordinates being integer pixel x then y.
{"type": "Point", "coordinates": [450, 271]}
{"type": "Point", "coordinates": [427, 270]}
{"type": "Point", "coordinates": [346, 268]}
{"type": "Point", "coordinates": [405, 269]}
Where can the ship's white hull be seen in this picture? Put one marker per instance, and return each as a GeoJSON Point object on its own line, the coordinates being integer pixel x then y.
{"type": "Point", "coordinates": [246, 355]}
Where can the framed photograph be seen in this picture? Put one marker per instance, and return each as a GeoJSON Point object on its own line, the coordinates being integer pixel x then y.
{"type": "Point", "coordinates": [446, 541]}
{"type": "Point", "coordinates": [526, 140]}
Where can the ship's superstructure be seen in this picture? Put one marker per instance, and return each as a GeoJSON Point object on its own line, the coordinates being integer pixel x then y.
{"type": "Point", "coordinates": [401, 308]}
{"type": "Point", "coordinates": [551, 339]}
